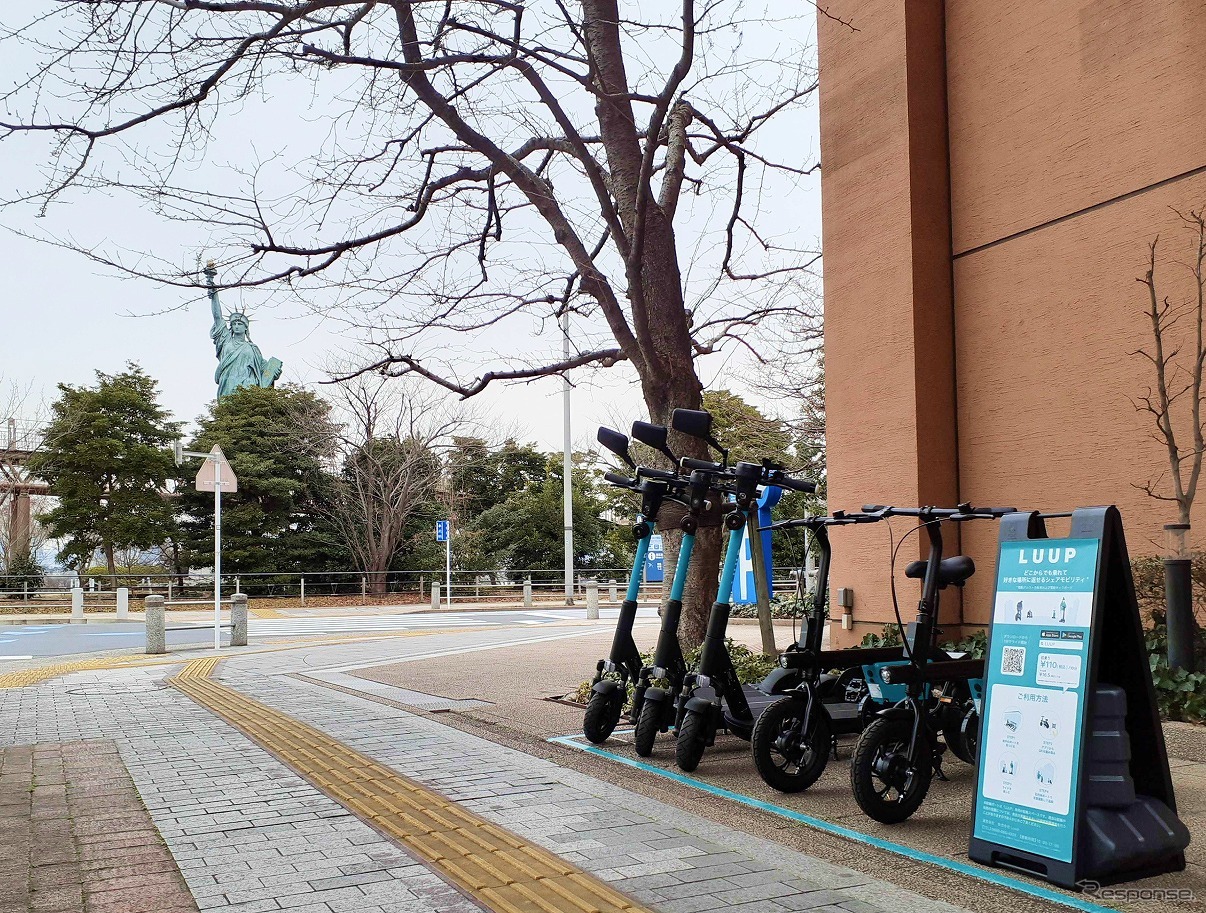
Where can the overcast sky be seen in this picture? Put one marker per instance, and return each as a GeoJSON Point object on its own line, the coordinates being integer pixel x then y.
{"type": "Point", "coordinates": [66, 317]}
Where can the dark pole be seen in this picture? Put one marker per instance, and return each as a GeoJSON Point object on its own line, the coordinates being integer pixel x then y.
{"type": "Point", "coordinates": [1178, 598]}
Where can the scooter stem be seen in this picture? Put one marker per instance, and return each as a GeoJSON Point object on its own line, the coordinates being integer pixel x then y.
{"type": "Point", "coordinates": [638, 567]}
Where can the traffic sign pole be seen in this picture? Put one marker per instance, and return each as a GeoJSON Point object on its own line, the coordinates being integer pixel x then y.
{"type": "Point", "coordinates": [448, 564]}
{"type": "Point", "coordinates": [217, 554]}
{"type": "Point", "coordinates": [214, 483]}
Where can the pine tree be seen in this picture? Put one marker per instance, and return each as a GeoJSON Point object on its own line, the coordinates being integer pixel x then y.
{"type": "Point", "coordinates": [107, 459]}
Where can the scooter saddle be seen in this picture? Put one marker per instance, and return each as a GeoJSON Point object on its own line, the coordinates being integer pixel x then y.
{"type": "Point", "coordinates": [952, 571]}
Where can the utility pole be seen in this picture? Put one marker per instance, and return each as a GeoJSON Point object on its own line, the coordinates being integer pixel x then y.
{"type": "Point", "coordinates": [568, 465]}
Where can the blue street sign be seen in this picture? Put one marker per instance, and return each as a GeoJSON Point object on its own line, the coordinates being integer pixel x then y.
{"type": "Point", "coordinates": [441, 530]}
{"type": "Point", "coordinates": [655, 560]}
{"type": "Point", "coordinates": [743, 580]}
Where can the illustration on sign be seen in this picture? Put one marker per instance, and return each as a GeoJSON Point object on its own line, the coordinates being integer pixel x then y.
{"type": "Point", "coordinates": [1035, 700]}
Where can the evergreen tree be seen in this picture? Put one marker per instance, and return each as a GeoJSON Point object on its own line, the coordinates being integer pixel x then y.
{"type": "Point", "coordinates": [280, 442]}
{"type": "Point", "coordinates": [526, 531]}
{"type": "Point", "coordinates": [107, 459]}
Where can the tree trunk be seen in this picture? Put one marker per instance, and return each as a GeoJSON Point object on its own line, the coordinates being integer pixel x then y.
{"type": "Point", "coordinates": [110, 562]}
{"type": "Point", "coordinates": [703, 576]}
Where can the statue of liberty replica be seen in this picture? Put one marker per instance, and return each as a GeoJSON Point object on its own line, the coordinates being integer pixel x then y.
{"type": "Point", "coordinates": [240, 363]}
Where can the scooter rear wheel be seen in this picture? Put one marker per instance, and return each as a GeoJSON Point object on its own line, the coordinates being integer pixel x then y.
{"type": "Point", "coordinates": [786, 758]}
{"type": "Point", "coordinates": [602, 715]}
{"type": "Point", "coordinates": [886, 785]}
{"type": "Point", "coordinates": [691, 741]}
{"type": "Point", "coordinates": [649, 724]}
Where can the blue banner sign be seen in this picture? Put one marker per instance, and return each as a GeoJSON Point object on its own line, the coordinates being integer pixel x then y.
{"type": "Point", "coordinates": [743, 580]}
{"type": "Point", "coordinates": [655, 560]}
{"type": "Point", "coordinates": [441, 530]}
{"type": "Point", "coordinates": [1034, 710]}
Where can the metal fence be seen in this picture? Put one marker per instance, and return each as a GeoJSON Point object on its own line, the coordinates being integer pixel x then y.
{"type": "Point", "coordinates": [503, 587]}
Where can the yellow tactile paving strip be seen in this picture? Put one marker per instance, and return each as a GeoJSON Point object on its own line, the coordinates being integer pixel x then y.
{"type": "Point", "coordinates": [500, 870]}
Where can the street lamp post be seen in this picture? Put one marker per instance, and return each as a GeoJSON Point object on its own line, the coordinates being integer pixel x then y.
{"type": "Point", "coordinates": [567, 486]}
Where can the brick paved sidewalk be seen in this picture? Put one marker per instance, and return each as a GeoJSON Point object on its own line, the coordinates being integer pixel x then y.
{"type": "Point", "coordinates": [249, 834]}
{"type": "Point", "coordinates": [75, 835]}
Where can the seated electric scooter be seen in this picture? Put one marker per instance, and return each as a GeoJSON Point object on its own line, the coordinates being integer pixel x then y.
{"type": "Point", "coordinates": [609, 689]}
{"type": "Point", "coordinates": [898, 752]}
{"type": "Point", "coordinates": [795, 736]}
{"type": "Point", "coordinates": [712, 696]}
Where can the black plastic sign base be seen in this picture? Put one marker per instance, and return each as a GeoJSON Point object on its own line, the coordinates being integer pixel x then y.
{"type": "Point", "coordinates": [1073, 780]}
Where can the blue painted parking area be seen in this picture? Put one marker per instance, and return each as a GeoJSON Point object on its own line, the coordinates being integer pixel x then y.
{"type": "Point", "coordinates": [991, 876]}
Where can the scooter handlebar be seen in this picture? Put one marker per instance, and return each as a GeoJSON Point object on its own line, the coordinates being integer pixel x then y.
{"type": "Point", "coordinates": [619, 481]}
{"type": "Point", "coordinates": [702, 465]}
{"type": "Point", "coordinates": [783, 481]}
{"type": "Point", "coordinates": [652, 472]}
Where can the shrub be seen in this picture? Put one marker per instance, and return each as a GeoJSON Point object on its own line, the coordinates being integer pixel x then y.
{"type": "Point", "coordinates": [22, 570]}
{"type": "Point", "coordinates": [751, 666]}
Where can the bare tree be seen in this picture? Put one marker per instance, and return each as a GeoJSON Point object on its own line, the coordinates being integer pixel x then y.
{"type": "Point", "coordinates": [1177, 376]}
{"type": "Point", "coordinates": [490, 166]}
{"type": "Point", "coordinates": [391, 450]}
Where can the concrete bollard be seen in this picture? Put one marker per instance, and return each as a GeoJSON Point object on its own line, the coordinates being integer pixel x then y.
{"type": "Point", "coordinates": [527, 592]}
{"type": "Point", "coordinates": [592, 598]}
{"type": "Point", "coordinates": [77, 605]}
{"type": "Point", "coordinates": [435, 595]}
{"type": "Point", "coordinates": [156, 625]}
{"type": "Point", "coordinates": [612, 592]}
{"type": "Point", "coordinates": [123, 603]}
{"type": "Point", "coordinates": [238, 620]}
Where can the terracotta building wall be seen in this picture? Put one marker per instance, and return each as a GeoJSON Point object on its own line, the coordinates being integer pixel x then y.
{"type": "Point", "coordinates": [1072, 129]}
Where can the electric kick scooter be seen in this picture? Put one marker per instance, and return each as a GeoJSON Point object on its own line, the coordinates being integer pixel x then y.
{"type": "Point", "coordinates": [795, 736]}
{"type": "Point", "coordinates": [658, 708]}
{"type": "Point", "coordinates": [713, 697]}
{"type": "Point", "coordinates": [609, 689]}
{"type": "Point", "coordinates": [898, 753]}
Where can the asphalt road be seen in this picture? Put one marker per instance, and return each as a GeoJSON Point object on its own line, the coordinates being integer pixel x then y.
{"type": "Point", "coordinates": [19, 642]}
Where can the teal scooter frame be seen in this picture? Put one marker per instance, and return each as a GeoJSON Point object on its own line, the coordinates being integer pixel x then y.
{"type": "Point", "coordinates": [622, 666]}
{"type": "Point", "coordinates": [658, 707]}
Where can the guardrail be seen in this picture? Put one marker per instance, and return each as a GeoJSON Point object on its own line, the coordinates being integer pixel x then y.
{"type": "Point", "coordinates": [99, 592]}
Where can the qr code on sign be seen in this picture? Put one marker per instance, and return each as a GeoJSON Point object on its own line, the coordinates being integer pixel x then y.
{"type": "Point", "coordinates": [1013, 660]}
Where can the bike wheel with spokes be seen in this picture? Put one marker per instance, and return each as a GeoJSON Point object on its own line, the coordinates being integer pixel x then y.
{"type": "Point", "coordinates": [691, 740]}
{"type": "Point", "coordinates": [789, 756]}
{"type": "Point", "coordinates": [602, 715]}
{"type": "Point", "coordinates": [887, 785]}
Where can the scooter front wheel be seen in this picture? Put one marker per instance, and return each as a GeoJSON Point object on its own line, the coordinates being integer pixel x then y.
{"type": "Point", "coordinates": [691, 740]}
{"type": "Point", "coordinates": [649, 724]}
{"type": "Point", "coordinates": [887, 784]}
{"type": "Point", "coordinates": [602, 715]}
{"type": "Point", "coordinates": [788, 758]}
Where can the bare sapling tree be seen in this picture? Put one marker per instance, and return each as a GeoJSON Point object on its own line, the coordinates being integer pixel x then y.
{"type": "Point", "coordinates": [457, 175]}
{"type": "Point", "coordinates": [1176, 399]}
{"type": "Point", "coordinates": [391, 447]}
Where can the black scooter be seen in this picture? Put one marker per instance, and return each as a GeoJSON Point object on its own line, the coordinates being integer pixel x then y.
{"type": "Point", "coordinates": [609, 688]}
{"type": "Point", "coordinates": [898, 752]}
{"type": "Point", "coordinates": [712, 696]}
{"type": "Point", "coordinates": [795, 736]}
{"type": "Point", "coordinates": [658, 709]}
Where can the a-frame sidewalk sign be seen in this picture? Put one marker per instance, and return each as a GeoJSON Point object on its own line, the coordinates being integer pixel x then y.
{"type": "Point", "coordinates": [1073, 782]}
